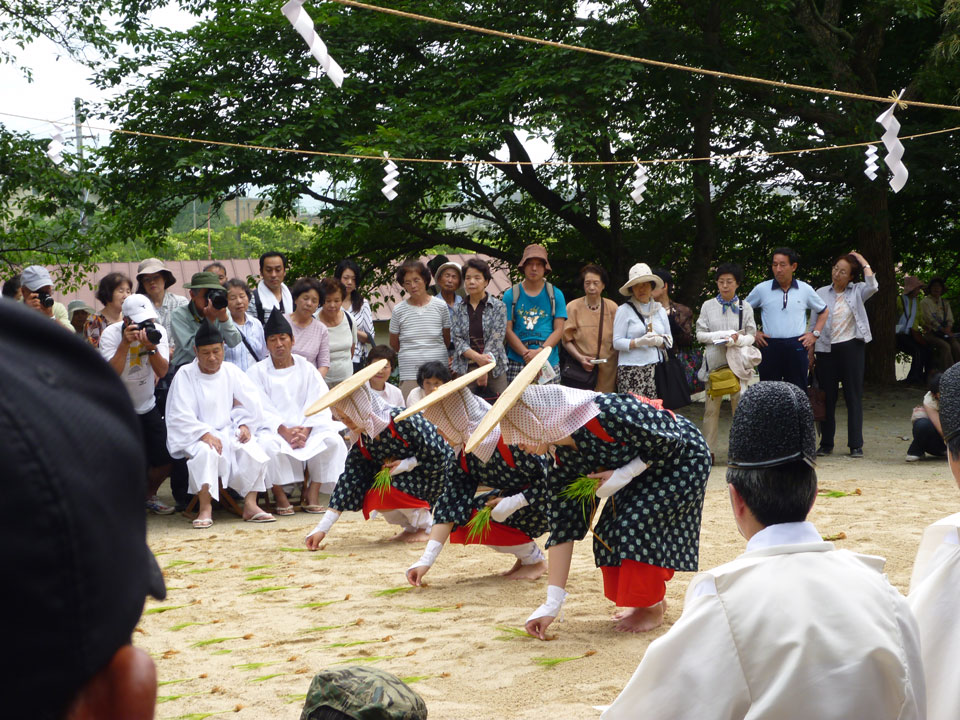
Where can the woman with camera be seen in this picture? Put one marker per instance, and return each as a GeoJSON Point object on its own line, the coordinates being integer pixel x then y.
{"type": "Point", "coordinates": [113, 290]}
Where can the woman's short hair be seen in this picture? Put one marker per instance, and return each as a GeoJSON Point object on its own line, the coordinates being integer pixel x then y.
{"type": "Point", "coordinates": [239, 284]}
{"type": "Point", "coordinates": [11, 286]}
{"type": "Point", "coordinates": [356, 301]}
{"type": "Point", "coordinates": [304, 284]}
{"type": "Point", "coordinates": [408, 266]}
{"type": "Point", "coordinates": [666, 276]}
{"type": "Point", "coordinates": [481, 266]}
{"type": "Point", "coordinates": [383, 352]}
{"type": "Point", "coordinates": [854, 264]}
{"type": "Point", "coordinates": [330, 285]}
{"type": "Point", "coordinates": [596, 270]}
{"type": "Point", "coordinates": [433, 369]}
{"type": "Point", "coordinates": [937, 281]}
{"type": "Point", "coordinates": [729, 268]}
{"type": "Point", "coordinates": [108, 285]}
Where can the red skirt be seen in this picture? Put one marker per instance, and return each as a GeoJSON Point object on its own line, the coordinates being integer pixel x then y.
{"type": "Point", "coordinates": [635, 584]}
{"type": "Point", "coordinates": [496, 534]}
{"type": "Point", "coordinates": [391, 499]}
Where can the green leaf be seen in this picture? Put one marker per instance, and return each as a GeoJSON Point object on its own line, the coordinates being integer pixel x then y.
{"type": "Point", "coordinates": [269, 588]}
{"type": "Point", "coordinates": [163, 609]}
{"type": "Point", "coordinates": [264, 678]}
{"type": "Point", "coordinates": [393, 590]}
{"type": "Point", "coordinates": [214, 641]}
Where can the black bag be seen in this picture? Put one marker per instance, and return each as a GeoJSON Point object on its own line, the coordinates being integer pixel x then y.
{"type": "Point", "coordinates": [817, 397]}
{"type": "Point", "coordinates": [671, 382]}
{"type": "Point", "coordinates": [572, 373]}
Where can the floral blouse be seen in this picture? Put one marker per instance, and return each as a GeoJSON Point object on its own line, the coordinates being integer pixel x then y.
{"type": "Point", "coordinates": [494, 334]}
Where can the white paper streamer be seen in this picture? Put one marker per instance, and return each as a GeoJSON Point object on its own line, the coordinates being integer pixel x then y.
{"type": "Point", "coordinates": [56, 146]}
{"type": "Point", "coordinates": [894, 147]}
{"type": "Point", "coordinates": [303, 24]}
{"type": "Point", "coordinates": [639, 182]}
{"type": "Point", "coordinates": [390, 178]}
{"type": "Point", "coordinates": [871, 169]}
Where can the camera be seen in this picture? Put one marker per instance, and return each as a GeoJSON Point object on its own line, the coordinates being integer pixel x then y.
{"type": "Point", "coordinates": [217, 298]}
{"type": "Point", "coordinates": [45, 299]}
{"type": "Point", "coordinates": [153, 335]}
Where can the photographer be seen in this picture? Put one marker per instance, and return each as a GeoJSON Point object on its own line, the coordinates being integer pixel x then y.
{"type": "Point", "coordinates": [36, 286]}
{"type": "Point", "coordinates": [137, 349]}
{"type": "Point", "coordinates": [208, 300]}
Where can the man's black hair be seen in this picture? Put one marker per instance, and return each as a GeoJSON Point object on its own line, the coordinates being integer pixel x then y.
{"type": "Point", "coordinates": [273, 253]}
{"type": "Point", "coordinates": [789, 252]}
{"type": "Point", "coordinates": [779, 494]}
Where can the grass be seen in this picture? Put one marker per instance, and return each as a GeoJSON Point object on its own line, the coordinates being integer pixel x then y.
{"type": "Point", "coordinates": [214, 641]}
{"type": "Point", "coordinates": [259, 577]}
{"type": "Point", "coordinates": [549, 662]}
{"type": "Point", "coordinates": [181, 626]}
{"type": "Point", "coordinates": [479, 525]}
{"type": "Point", "coordinates": [392, 591]}
{"type": "Point", "coordinates": [178, 563]}
{"type": "Point", "coordinates": [511, 633]}
{"type": "Point", "coordinates": [163, 609]}
{"type": "Point", "coordinates": [266, 589]}
{"type": "Point", "coordinates": [254, 665]}
{"type": "Point", "coordinates": [322, 603]}
{"type": "Point", "coordinates": [837, 493]}
{"type": "Point", "coordinates": [264, 678]}
{"type": "Point", "coordinates": [382, 481]}
{"type": "Point", "coordinates": [582, 490]}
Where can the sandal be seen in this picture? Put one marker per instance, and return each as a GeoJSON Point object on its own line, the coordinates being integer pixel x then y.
{"type": "Point", "coordinates": [261, 517]}
{"type": "Point", "coordinates": [286, 510]}
{"type": "Point", "coordinates": [202, 523]}
{"type": "Point", "coordinates": [313, 509]}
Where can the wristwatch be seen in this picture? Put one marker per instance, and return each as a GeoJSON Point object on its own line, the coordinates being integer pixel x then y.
{"type": "Point", "coordinates": [816, 334]}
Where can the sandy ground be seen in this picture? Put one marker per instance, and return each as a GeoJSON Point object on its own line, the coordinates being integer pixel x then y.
{"type": "Point", "coordinates": [250, 616]}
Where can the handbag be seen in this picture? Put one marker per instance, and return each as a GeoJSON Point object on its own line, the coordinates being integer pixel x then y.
{"type": "Point", "coordinates": [671, 382]}
{"type": "Point", "coordinates": [573, 374]}
{"type": "Point", "coordinates": [817, 397]}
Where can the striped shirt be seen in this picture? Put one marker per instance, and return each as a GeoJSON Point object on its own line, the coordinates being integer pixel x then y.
{"type": "Point", "coordinates": [421, 334]}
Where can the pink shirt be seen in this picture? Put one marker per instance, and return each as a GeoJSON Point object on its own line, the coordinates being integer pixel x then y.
{"type": "Point", "coordinates": [311, 342]}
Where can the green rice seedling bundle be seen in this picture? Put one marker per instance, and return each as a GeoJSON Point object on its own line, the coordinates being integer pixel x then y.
{"type": "Point", "coordinates": [583, 490]}
{"type": "Point", "coordinates": [479, 525]}
{"type": "Point", "coordinates": [382, 481]}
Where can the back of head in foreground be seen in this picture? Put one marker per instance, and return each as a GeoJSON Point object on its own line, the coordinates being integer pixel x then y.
{"type": "Point", "coordinates": [950, 416]}
{"type": "Point", "coordinates": [74, 531]}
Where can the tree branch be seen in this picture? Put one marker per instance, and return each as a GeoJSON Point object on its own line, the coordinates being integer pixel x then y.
{"type": "Point", "coordinates": [840, 32]}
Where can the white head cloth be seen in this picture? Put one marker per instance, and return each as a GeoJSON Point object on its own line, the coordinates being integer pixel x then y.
{"type": "Point", "coordinates": [366, 410]}
{"type": "Point", "coordinates": [548, 413]}
{"type": "Point", "coordinates": [457, 416]}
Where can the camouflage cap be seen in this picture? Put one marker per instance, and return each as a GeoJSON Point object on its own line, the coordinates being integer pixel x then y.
{"type": "Point", "coordinates": [363, 693]}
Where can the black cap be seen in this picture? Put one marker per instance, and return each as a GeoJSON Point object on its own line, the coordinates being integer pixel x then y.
{"type": "Point", "coordinates": [276, 324]}
{"type": "Point", "coordinates": [773, 425]}
{"type": "Point", "coordinates": [73, 537]}
{"type": "Point", "coordinates": [208, 334]}
{"type": "Point", "coordinates": [950, 402]}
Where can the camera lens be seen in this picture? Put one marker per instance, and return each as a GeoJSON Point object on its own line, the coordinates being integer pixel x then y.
{"type": "Point", "coordinates": [45, 299]}
{"type": "Point", "coordinates": [217, 298]}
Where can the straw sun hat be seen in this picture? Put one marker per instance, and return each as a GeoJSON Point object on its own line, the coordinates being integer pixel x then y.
{"type": "Point", "coordinates": [640, 273]}
{"type": "Point", "coordinates": [346, 388]}
{"type": "Point", "coordinates": [445, 390]}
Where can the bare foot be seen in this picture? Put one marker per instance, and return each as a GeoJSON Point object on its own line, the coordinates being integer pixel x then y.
{"type": "Point", "coordinates": [420, 536]}
{"type": "Point", "coordinates": [638, 620]}
{"type": "Point", "coordinates": [508, 573]}
{"type": "Point", "coordinates": [527, 572]}
{"type": "Point", "coordinates": [619, 613]}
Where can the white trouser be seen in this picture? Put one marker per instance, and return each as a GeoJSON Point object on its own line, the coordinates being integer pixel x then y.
{"type": "Point", "coordinates": [410, 519]}
{"type": "Point", "coordinates": [242, 466]}
{"type": "Point", "coordinates": [325, 466]}
{"type": "Point", "coordinates": [527, 554]}
{"type": "Point", "coordinates": [711, 417]}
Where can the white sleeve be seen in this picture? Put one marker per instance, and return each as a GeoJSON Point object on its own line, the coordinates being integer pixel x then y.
{"type": "Point", "coordinates": [405, 465]}
{"type": "Point", "coordinates": [326, 522]}
{"type": "Point", "coordinates": [508, 506]}
{"type": "Point", "coordinates": [621, 476]}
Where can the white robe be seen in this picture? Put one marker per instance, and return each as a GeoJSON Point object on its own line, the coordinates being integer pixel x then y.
{"type": "Point", "coordinates": [791, 629]}
{"type": "Point", "coordinates": [286, 395]}
{"type": "Point", "coordinates": [933, 598]}
{"type": "Point", "coordinates": [218, 404]}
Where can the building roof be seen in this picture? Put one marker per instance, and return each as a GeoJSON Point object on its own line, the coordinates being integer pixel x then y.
{"type": "Point", "coordinates": [382, 299]}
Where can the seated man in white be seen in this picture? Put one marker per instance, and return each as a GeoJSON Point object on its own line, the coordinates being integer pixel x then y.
{"type": "Point", "coordinates": [288, 385]}
{"type": "Point", "coordinates": [212, 408]}
{"type": "Point", "coordinates": [936, 576]}
{"type": "Point", "coordinates": [792, 628]}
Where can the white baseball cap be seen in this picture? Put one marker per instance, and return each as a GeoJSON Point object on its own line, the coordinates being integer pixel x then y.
{"type": "Point", "coordinates": [35, 277]}
{"type": "Point", "coordinates": [138, 308]}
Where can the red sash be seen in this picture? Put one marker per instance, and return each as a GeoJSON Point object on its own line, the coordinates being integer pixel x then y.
{"type": "Point", "coordinates": [496, 534]}
{"type": "Point", "coordinates": [391, 499]}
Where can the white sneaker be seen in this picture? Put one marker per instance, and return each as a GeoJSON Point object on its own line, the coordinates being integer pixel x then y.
{"type": "Point", "coordinates": [155, 506]}
{"type": "Point", "coordinates": [913, 458]}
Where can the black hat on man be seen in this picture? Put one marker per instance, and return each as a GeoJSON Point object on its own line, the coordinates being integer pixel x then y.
{"type": "Point", "coordinates": [78, 564]}
{"type": "Point", "coordinates": [208, 334]}
{"type": "Point", "coordinates": [773, 426]}
{"type": "Point", "coordinates": [950, 402]}
{"type": "Point", "coordinates": [276, 324]}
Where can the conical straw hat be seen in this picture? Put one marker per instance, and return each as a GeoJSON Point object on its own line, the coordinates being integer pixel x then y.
{"type": "Point", "coordinates": [347, 387]}
{"type": "Point", "coordinates": [444, 390]}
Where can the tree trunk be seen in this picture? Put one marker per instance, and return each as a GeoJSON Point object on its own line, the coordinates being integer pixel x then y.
{"type": "Point", "coordinates": [874, 243]}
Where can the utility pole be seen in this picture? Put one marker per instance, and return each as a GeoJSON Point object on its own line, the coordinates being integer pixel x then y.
{"type": "Point", "coordinates": [209, 245]}
{"type": "Point", "coordinates": [238, 218]}
{"type": "Point", "coordinates": [77, 128]}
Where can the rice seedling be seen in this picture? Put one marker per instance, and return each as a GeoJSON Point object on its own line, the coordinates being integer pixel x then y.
{"type": "Point", "coordinates": [171, 698]}
{"type": "Point", "coordinates": [292, 549]}
{"type": "Point", "coordinates": [583, 490]}
{"type": "Point", "coordinates": [214, 641]}
{"type": "Point", "coordinates": [838, 493]}
{"type": "Point", "coordinates": [322, 603]}
{"type": "Point", "coordinates": [428, 609]}
{"type": "Point", "coordinates": [549, 662]}
{"type": "Point", "coordinates": [511, 633]}
{"type": "Point", "coordinates": [382, 481]}
{"type": "Point", "coordinates": [350, 644]}
{"type": "Point", "coordinates": [392, 591]}
{"type": "Point", "coordinates": [479, 525]}
{"type": "Point", "coordinates": [178, 563]}
{"type": "Point", "coordinates": [163, 609]}
{"type": "Point", "coordinates": [322, 556]}
{"type": "Point", "coordinates": [254, 568]}
{"type": "Point", "coordinates": [295, 697]}
{"type": "Point", "coordinates": [171, 682]}
{"type": "Point", "coordinates": [321, 628]}
{"type": "Point", "coordinates": [197, 571]}
{"type": "Point", "coordinates": [837, 536]}
{"type": "Point", "coordinates": [365, 659]}
{"type": "Point", "coordinates": [181, 626]}
{"type": "Point", "coordinates": [410, 679]}
{"type": "Point", "coordinates": [254, 665]}
{"type": "Point", "coordinates": [222, 651]}
{"type": "Point", "coordinates": [268, 588]}
{"type": "Point", "coordinates": [263, 576]}
{"type": "Point", "coordinates": [201, 715]}
{"type": "Point", "coordinates": [264, 678]}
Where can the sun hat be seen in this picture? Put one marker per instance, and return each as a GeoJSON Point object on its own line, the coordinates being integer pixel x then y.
{"type": "Point", "coordinates": [911, 283]}
{"type": "Point", "coordinates": [773, 426]}
{"type": "Point", "coordinates": [347, 387]}
{"type": "Point", "coordinates": [448, 388]}
{"type": "Point", "coordinates": [204, 281]}
{"type": "Point", "coordinates": [450, 264]}
{"type": "Point", "coordinates": [535, 251]}
{"type": "Point", "coordinates": [35, 277]}
{"type": "Point", "coordinates": [154, 265]}
{"type": "Point", "coordinates": [363, 693]}
{"type": "Point", "coordinates": [77, 306]}
{"type": "Point", "coordinates": [640, 273]}
{"type": "Point", "coordinates": [80, 555]}
{"type": "Point", "coordinates": [138, 308]}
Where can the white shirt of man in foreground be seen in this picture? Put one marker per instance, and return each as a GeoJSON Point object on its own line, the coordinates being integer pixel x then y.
{"type": "Point", "coordinates": [792, 628]}
{"type": "Point", "coordinates": [211, 411]}
{"type": "Point", "coordinates": [288, 385]}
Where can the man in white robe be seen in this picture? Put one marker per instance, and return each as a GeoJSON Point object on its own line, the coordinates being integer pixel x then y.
{"type": "Point", "coordinates": [792, 628]}
{"type": "Point", "coordinates": [936, 576]}
{"type": "Point", "coordinates": [211, 409]}
{"type": "Point", "coordinates": [288, 385]}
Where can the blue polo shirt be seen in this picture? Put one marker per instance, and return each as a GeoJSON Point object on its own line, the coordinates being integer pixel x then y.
{"type": "Point", "coordinates": [784, 314]}
{"type": "Point", "coordinates": [533, 323]}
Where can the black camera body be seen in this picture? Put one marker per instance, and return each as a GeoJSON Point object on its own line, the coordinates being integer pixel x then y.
{"type": "Point", "coordinates": [45, 299]}
{"type": "Point", "coordinates": [217, 298]}
{"type": "Point", "coordinates": [153, 335]}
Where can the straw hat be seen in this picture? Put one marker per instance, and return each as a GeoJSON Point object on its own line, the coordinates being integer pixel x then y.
{"type": "Point", "coordinates": [911, 283]}
{"type": "Point", "coordinates": [347, 387]}
{"type": "Point", "coordinates": [449, 265]}
{"type": "Point", "coordinates": [154, 265]}
{"type": "Point", "coordinates": [535, 251]}
{"type": "Point", "coordinates": [445, 390]}
{"type": "Point", "coordinates": [640, 273]}
{"type": "Point", "coordinates": [508, 399]}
